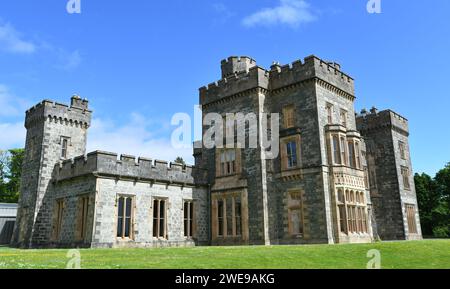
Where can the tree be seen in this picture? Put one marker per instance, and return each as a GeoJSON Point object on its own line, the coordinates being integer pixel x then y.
{"type": "Point", "coordinates": [179, 160]}
{"type": "Point", "coordinates": [10, 174]}
{"type": "Point", "coordinates": [433, 197]}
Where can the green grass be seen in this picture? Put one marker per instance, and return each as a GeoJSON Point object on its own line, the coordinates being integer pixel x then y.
{"type": "Point", "coordinates": [394, 255]}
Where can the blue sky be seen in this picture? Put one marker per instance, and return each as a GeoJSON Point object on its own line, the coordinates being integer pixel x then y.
{"type": "Point", "coordinates": [140, 61]}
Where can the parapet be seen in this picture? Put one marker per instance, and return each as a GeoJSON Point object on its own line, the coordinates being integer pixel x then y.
{"type": "Point", "coordinates": [235, 64]}
{"type": "Point", "coordinates": [234, 84]}
{"type": "Point", "coordinates": [112, 165]}
{"type": "Point", "coordinates": [76, 114]}
{"type": "Point", "coordinates": [240, 74]}
{"type": "Point", "coordinates": [374, 120]}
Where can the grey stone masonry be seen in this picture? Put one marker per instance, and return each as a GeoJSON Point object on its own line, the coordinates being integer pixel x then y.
{"type": "Point", "coordinates": [338, 178]}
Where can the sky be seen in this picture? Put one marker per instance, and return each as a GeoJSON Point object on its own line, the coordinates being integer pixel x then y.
{"type": "Point", "coordinates": [139, 62]}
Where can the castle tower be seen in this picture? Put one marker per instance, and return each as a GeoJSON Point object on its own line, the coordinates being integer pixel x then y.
{"type": "Point", "coordinates": [390, 174]}
{"type": "Point", "coordinates": [54, 132]}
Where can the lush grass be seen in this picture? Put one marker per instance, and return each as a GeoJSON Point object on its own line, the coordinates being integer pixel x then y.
{"type": "Point", "coordinates": [417, 254]}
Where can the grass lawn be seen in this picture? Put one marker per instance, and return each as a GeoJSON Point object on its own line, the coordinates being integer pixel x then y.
{"type": "Point", "coordinates": [394, 255]}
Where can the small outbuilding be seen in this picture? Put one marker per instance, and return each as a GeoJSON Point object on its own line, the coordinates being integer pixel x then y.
{"type": "Point", "coordinates": [8, 213]}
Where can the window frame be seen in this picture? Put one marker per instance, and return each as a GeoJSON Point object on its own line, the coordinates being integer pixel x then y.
{"type": "Point", "coordinates": [124, 217]}
{"type": "Point", "coordinates": [158, 218]}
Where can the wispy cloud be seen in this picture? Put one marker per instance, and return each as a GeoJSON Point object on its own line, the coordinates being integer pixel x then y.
{"type": "Point", "coordinates": [11, 105]}
{"type": "Point", "coordinates": [288, 12]}
{"type": "Point", "coordinates": [12, 135]}
{"type": "Point", "coordinates": [11, 40]}
{"type": "Point", "coordinates": [223, 12]}
{"type": "Point", "coordinates": [135, 137]}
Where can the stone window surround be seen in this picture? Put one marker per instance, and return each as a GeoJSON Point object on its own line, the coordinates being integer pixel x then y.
{"type": "Point", "coordinates": [191, 219]}
{"type": "Point", "coordinates": [288, 116]}
{"type": "Point", "coordinates": [406, 177]}
{"type": "Point", "coordinates": [354, 204]}
{"type": "Point", "coordinates": [238, 161]}
{"type": "Point", "coordinates": [83, 206]}
{"type": "Point", "coordinates": [61, 143]}
{"type": "Point", "coordinates": [283, 150]}
{"type": "Point", "coordinates": [330, 110]}
{"type": "Point", "coordinates": [133, 211]}
{"type": "Point", "coordinates": [58, 218]}
{"type": "Point", "coordinates": [166, 208]}
{"type": "Point", "coordinates": [214, 218]}
{"type": "Point", "coordinates": [410, 213]}
{"type": "Point", "coordinates": [289, 208]}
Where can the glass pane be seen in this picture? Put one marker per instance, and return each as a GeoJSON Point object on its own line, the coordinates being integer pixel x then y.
{"type": "Point", "coordinates": [120, 207]}
{"type": "Point", "coordinates": [127, 227]}
{"type": "Point", "coordinates": [155, 209]}
{"type": "Point", "coordinates": [186, 209]}
{"type": "Point", "coordinates": [155, 227]}
{"type": "Point", "coordinates": [128, 208]}
{"type": "Point", "coordinates": [119, 226]}
{"type": "Point", "coordinates": [161, 209]}
{"type": "Point", "coordinates": [161, 228]}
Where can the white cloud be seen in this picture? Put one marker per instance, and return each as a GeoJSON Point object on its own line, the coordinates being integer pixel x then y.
{"type": "Point", "coordinates": [11, 105]}
{"type": "Point", "coordinates": [69, 60]}
{"type": "Point", "coordinates": [12, 135]}
{"type": "Point", "coordinates": [135, 138]}
{"type": "Point", "coordinates": [288, 12]}
{"type": "Point", "coordinates": [11, 40]}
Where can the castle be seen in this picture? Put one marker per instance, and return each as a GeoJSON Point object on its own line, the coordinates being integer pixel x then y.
{"type": "Point", "coordinates": [340, 177]}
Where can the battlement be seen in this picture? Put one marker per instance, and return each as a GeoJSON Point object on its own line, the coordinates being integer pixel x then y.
{"type": "Point", "coordinates": [240, 74]}
{"type": "Point", "coordinates": [384, 119]}
{"type": "Point", "coordinates": [77, 114]}
{"type": "Point", "coordinates": [235, 83]}
{"type": "Point", "coordinates": [312, 66]}
{"type": "Point", "coordinates": [236, 64]}
{"type": "Point", "coordinates": [108, 164]}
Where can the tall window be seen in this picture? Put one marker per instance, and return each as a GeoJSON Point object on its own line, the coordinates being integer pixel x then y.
{"type": "Point", "coordinates": [159, 219]}
{"type": "Point", "coordinates": [291, 149]}
{"type": "Point", "coordinates": [295, 214]}
{"type": "Point", "coordinates": [64, 145]}
{"type": "Point", "coordinates": [351, 154]}
{"type": "Point", "coordinates": [411, 217]}
{"type": "Point", "coordinates": [402, 148]}
{"type": "Point", "coordinates": [405, 175]}
{"type": "Point", "coordinates": [344, 118]}
{"type": "Point", "coordinates": [188, 219]}
{"type": "Point", "coordinates": [342, 212]}
{"type": "Point", "coordinates": [336, 150]}
{"type": "Point", "coordinates": [124, 217]}
{"type": "Point", "coordinates": [59, 214]}
{"type": "Point", "coordinates": [227, 162]}
{"type": "Point", "coordinates": [229, 216]}
{"type": "Point", "coordinates": [83, 211]}
{"type": "Point", "coordinates": [288, 114]}
{"type": "Point", "coordinates": [358, 155]}
{"type": "Point", "coordinates": [366, 177]}
{"type": "Point", "coordinates": [330, 113]}
{"type": "Point", "coordinates": [343, 151]}
{"type": "Point", "coordinates": [220, 217]}
{"type": "Point", "coordinates": [352, 213]}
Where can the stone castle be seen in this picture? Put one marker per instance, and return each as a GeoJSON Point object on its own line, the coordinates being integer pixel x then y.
{"type": "Point", "coordinates": [340, 177]}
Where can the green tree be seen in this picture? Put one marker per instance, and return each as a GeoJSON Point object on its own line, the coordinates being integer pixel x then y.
{"type": "Point", "coordinates": [180, 160]}
{"type": "Point", "coordinates": [10, 173]}
{"type": "Point", "coordinates": [428, 199]}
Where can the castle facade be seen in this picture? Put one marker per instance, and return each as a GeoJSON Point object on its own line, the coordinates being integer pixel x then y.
{"type": "Point", "coordinates": [340, 177]}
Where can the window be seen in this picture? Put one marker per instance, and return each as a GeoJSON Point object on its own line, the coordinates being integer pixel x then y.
{"type": "Point", "coordinates": [411, 217]}
{"type": "Point", "coordinates": [124, 219]}
{"type": "Point", "coordinates": [58, 219]}
{"type": "Point", "coordinates": [343, 152]}
{"type": "Point", "coordinates": [330, 113]}
{"type": "Point", "coordinates": [358, 155]}
{"type": "Point", "coordinates": [159, 219]}
{"type": "Point", "coordinates": [227, 162]}
{"type": "Point", "coordinates": [188, 219]}
{"type": "Point", "coordinates": [64, 145]}
{"type": "Point", "coordinates": [229, 216]}
{"type": "Point", "coordinates": [366, 177]}
{"type": "Point", "coordinates": [83, 211]}
{"type": "Point", "coordinates": [352, 213]}
{"type": "Point", "coordinates": [220, 214]}
{"type": "Point", "coordinates": [402, 148]}
{"type": "Point", "coordinates": [405, 175]}
{"type": "Point", "coordinates": [295, 214]}
{"type": "Point", "coordinates": [290, 152]}
{"type": "Point", "coordinates": [288, 114]}
{"type": "Point", "coordinates": [342, 213]}
{"type": "Point", "coordinates": [344, 118]}
{"type": "Point", "coordinates": [336, 150]}
{"type": "Point", "coordinates": [351, 154]}
{"type": "Point", "coordinates": [291, 148]}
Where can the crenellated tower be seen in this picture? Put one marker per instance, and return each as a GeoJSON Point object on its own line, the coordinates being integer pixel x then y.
{"type": "Point", "coordinates": [55, 132]}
